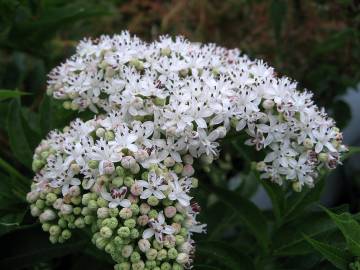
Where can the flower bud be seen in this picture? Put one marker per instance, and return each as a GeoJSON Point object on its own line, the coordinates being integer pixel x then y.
{"type": "Point", "coordinates": [102, 212]}
{"type": "Point", "coordinates": [136, 189]}
{"type": "Point", "coordinates": [74, 191]}
{"type": "Point", "coordinates": [135, 169]}
{"type": "Point", "coordinates": [153, 201]}
{"type": "Point", "coordinates": [162, 254]}
{"type": "Point", "coordinates": [188, 159]}
{"type": "Point", "coordinates": [47, 215]}
{"type": "Point", "coordinates": [108, 167]}
{"type": "Point", "coordinates": [144, 245]}
{"type": "Point", "coordinates": [93, 164]}
{"type": "Point", "coordinates": [172, 253]}
{"type": "Point", "coordinates": [268, 104]}
{"type": "Point", "coordinates": [296, 186]}
{"type": "Point", "coordinates": [106, 232]}
{"type": "Point", "coordinates": [143, 220]}
{"type": "Point", "coordinates": [109, 135]}
{"type": "Point", "coordinates": [32, 196]}
{"type": "Point", "coordinates": [308, 143]}
{"type": "Point", "coordinates": [188, 170]}
{"type": "Point", "coordinates": [126, 251]}
{"type": "Point", "coordinates": [123, 232]}
{"type": "Point", "coordinates": [55, 230]}
{"type": "Point", "coordinates": [125, 213]}
{"type": "Point", "coordinates": [35, 211]}
{"type": "Point", "coordinates": [151, 254]}
{"type": "Point", "coordinates": [100, 132]}
{"type": "Point", "coordinates": [144, 208]}
{"type": "Point", "coordinates": [128, 162]}
{"type": "Point", "coordinates": [170, 211]}
{"type": "Point", "coordinates": [169, 162]}
{"type": "Point", "coordinates": [75, 168]}
{"type": "Point", "coordinates": [66, 209]}
{"type": "Point", "coordinates": [141, 155]}
{"type": "Point", "coordinates": [182, 258]}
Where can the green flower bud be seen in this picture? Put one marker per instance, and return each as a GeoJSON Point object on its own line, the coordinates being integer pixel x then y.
{"type": "Point", "coordinates": [153, 201]}
{"type": "Point", "coordinates": [172, 253]}
{"type": "Point", "coordinates": [46, 227]}
{"type": "Point", "coordinates": [162, 254]}
{"type": "Point", "coordinates": [118, 181]}
{"type": "Point", "coordinates": [35, 212]}
{"type": "Point", "coordinates": [323, 157]}
{"type": "Point", "coordinates": [102, 212]}
{"type": "Point", "coordinates": [138, 265]}
{"type": "Point", "coordinates": [93, 205]}
{"type": "Point", "coordinates": [76, 200]}
{"type": "Point", "coordinates": [135, 257]}
{"type": "Point", "coordinates": [86, 211]}
{"type": "Point", "coordinates": [123, 266]}
{"type": "Point", "coordinates": [101, 242]}
{"type": "Point", "coordinates": [194, 182]}
{"type": "Point", "coordinates": [118, 241]}
{"type": "Point", "coordinates": [177, 266]}
{"type": "Point", "coordinates": [86, 198]}
{"type": "Point", "coordinates": [144, 245]}
{"type": "Point", "coordinates": [178, 218]}
{"type": "Point", "coordinates": [126, 251]}
{"type": "Point", "coordinates": [124, 232]}
{"type": "Point", "coordinates": [179, 240]}
{"type": "Point", "coordinates": [153, 214]}
{"type": "Point", "coordinates": [183, 232]}
{"type": "Point", "coordinates": [62, 223]}
{"type": "Point", "coordinates": [53, 239]}
{"type": "Point", "coordinates": [89, 219]}
{"type": "Point", "coordinates": [106, 232]}
{"type": "Point", "coordinates": [130, 223]}
{"type": "Point", "coordinates": [79, 223]}
{"type": "Point", "coordinates": [178, 168]}
{"type": "Point", "coordinates": [77, 211]}
{"type": "Point", "coordinates": [109, 248]}
{"type": "Point", "coordinates": [93, 164]}
{"type": "Point", "coordinates": [151, 254]}
{"type": "Point", "coordinates": [165, 266]}
{"type": "Point", "coordinates": [150, 264]}
{"type": "Point", "coordinates": [157, 245]}
{"type": "Point", "coordinates": [113, 212]}
{"type": "Point", "coordinates": [120, 171]}
{"type": "Point", "coordinates": [109, 135]}
{"type": "Point", "coordinates": [40, 204]}
{"type": "Point", "coordinates": [128, 181]}
{"type": "Point", "coordinates": [55, 230]}
{"type": "Point", "coordinates": [165, 51]}
{"type": "Point", "coordinates": [102, 202]}
{"type": "Point", "coordinates": [135, 209]}
{"type": "Point", "coordinates": [51, 198]}
{"type": "Point", "coordinates": [167, 202]}
{"type": "Point", "coordinates": [125, 213]}
{"type": "Point", "coordinates": [134, 233]}
{"type": "Point", "coordinates": [37, 164]}
{"type": "Point", "coordinates": [66, 234]}
{"type": "Point", "coordinates": [145, 175]}
{"type": "Point", "coordinates": [170, 211]}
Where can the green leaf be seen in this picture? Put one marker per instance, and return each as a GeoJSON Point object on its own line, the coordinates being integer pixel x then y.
{"type": "Point", "coordinates": [288, 240]}
{"type": "Point", "coordinates": [46, 115]}
{"type": "Point", "coordinates": [336, 256]}
{"type": "Point", "coordinates": [224, 254]}
{"type": "Point", "coordinates": [248, 212]}
{"type": "Point", "coordinates": [349, 227]}
{"type": "Point", "coordinates": [17, 137]}
{"type": "Point", "coordinates": [353, 150]}
{"type": "Point", "coordinates": [6, 94]}
{"type": "Point", "coordinates": [11, 221]}
{"type": "Point", "coordinates": [297, 202]}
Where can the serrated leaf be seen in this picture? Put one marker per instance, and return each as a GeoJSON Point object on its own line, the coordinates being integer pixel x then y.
{"type": "Point", "coordinates": [350, 228]}
{"type": "Point", "coordinates": [17, 137]}
{"type": "Point", "coordinates": [336, 256]}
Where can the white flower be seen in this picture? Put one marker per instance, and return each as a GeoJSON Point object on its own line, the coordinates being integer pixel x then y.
{"type": "Point", "coordinates": [158, 227]}
{"type": "Point", "coordinates": [179, 190]}
{"type": "Point", "coordinates": [105, 154]}
{"type": "Point", "coordinates": [153, 186]}
{"type": "Point", "coordinates": [116, 197]}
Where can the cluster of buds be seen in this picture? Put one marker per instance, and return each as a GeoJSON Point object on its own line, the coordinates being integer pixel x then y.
{"type": "Point", "coordinates": [109, 177]}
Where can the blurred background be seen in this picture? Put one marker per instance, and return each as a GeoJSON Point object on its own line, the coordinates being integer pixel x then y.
{"type": "Point", "coordinates": [315, 42]}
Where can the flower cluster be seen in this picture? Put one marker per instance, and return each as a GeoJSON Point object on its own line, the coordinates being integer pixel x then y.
{"type": "Point", "coordinates": [109, 176]}
{"type": "Point", "coordinates": [194, 95]}
{"type": "Point", "coordinates": [127, 173]}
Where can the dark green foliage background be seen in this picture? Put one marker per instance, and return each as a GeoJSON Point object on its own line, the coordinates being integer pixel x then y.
{"type": "Point", "coordinates": [316, 42]}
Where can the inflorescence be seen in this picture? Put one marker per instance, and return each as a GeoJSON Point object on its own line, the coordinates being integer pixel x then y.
{"type": "Point", "coordinates": [159, 106]}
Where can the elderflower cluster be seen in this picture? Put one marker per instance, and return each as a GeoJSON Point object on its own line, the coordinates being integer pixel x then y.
{"type": "Point", "coordinates": [124, 186]}
{"type": "Point", "coordinates": [194, 95]}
